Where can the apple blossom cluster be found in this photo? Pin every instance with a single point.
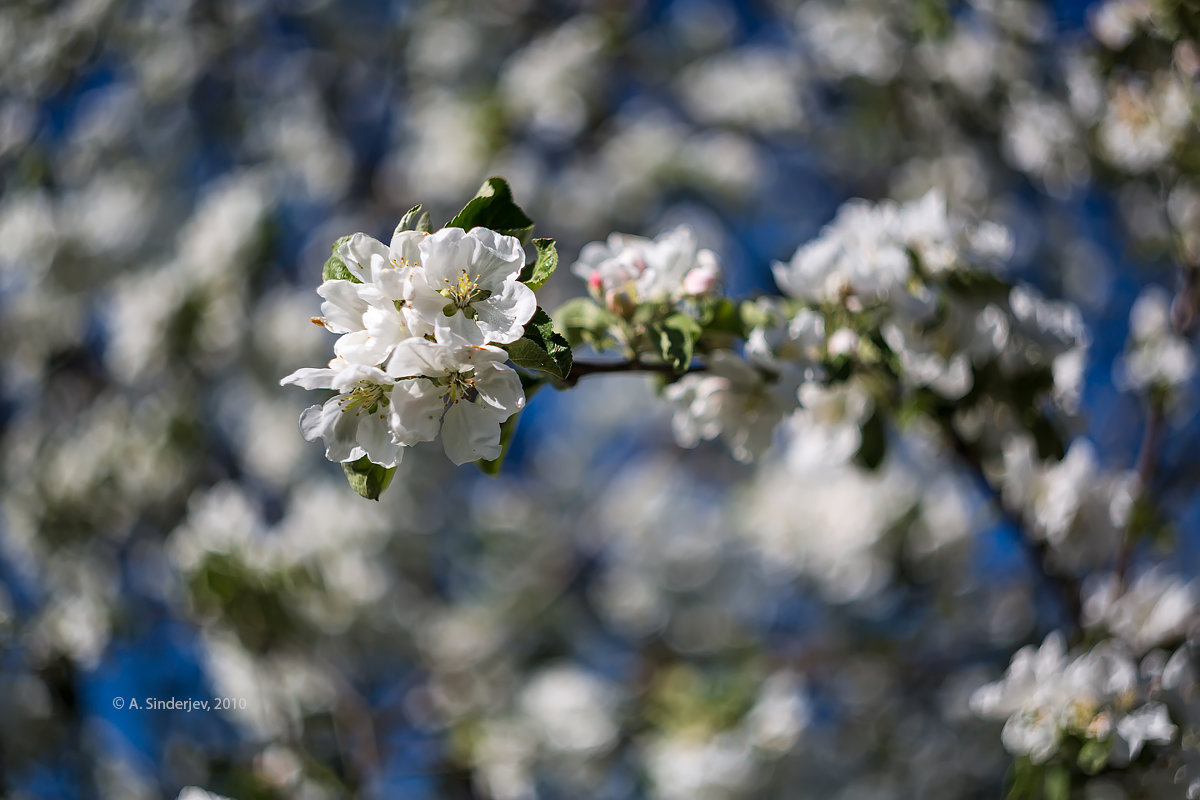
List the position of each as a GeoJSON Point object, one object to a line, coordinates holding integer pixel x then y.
{"type": "Point", "coordinates": [419, 324]}
{"type": "Point", "coordinates": [1096, 711]}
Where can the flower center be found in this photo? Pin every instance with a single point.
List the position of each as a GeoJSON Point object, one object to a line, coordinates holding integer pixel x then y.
{"type": "Point", "coordinates": [460, 386]}
{"type": "Point", "coordinates": [367, 396]}
{"type": "Point", "coordinates": [463, 291]}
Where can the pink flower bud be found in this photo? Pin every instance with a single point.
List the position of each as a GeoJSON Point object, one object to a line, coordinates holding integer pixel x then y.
{"type": "Point", "coordinates": [701, 281]}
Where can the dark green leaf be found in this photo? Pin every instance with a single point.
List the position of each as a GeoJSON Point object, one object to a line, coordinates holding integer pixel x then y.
{"type": "Point", "coordinates": [722, 315]}
{"type": "Point", "coordinates": [415, 219]}
{"type": "Point", "coordinates": [335, 268]}
{"type": "Point", "coordinates": [541, 348]}
{"type": "Point", "coordinates": [366, 478]}
{"type": "Point", "coordinates": [537, 272]}
{"type": "Point", "coordinates": [493, 207]}
{"type": "Point", "coordinates": [873, 446]}
{"type": "Point", "coordinates": [677, 337]}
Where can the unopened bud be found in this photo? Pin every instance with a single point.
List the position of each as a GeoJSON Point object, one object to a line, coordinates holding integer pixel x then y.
{"type": "Point", "coordinates": [701, 281]}
{"type": "Point", "coordinates": [595, 283]}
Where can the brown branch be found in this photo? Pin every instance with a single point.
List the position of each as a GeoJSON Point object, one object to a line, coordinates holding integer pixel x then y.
{"type": "Point", "coordinates": [1144, 469]}
{"type": "Point", "coordinates": [1065, 584]}
{"type": "Point", "coordinates": [580, 369]}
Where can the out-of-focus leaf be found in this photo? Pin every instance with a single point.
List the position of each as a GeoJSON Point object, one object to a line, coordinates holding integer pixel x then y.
{"type": "Point", "coordinates": [677, 337]}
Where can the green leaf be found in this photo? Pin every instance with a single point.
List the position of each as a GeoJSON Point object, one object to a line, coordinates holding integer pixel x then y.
{"type": "Point", "coordinates": [508, 428]}
{"type": "Point", "coordinates": [722, 315]}
{"type": "Point", "coordinates": [1022, 779]}
{"type": "Point", "coordinates": [542, 348]}
{"type": "Point", "coordinates": [873, 445]}
{"type": "Point", "coordinates": [537, 272]}
{"type": "Point", "coordinates": [493, 207]}
{"type": "Point", "coordinates": [584, 320]}
{"type": "Point", "coordinates": [335, 269]}
{"type": "Point", "coordinates": [415, 219]}
{"type": "Point", "coordinates": [1057, 784]}
{"type": "Point", "coordinates": [366, 478]}
{"type": "Point", "coordinates": [1094, 755]}
{"type": "Point", "coordinates": [677, 337]}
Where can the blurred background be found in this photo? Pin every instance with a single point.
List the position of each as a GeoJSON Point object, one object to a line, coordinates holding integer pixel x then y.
{"type": "Point", "coordinates": [612, 617]}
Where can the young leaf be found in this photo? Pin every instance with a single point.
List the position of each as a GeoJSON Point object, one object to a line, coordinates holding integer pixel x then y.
{"type": "Point", "coordinates": [366, 478]}
{"type": "Point", "coordinates": [415, 219]}
{"type": "Point", "coordinates": [583, 320]}
{"type": "Point", "coordinates": [335, 268]}
{"type": "Point", "coordinates": [493, 207]}
{"type": "Point", "coordinates": [542, 348]}
{"type": "Point", "coordinates": [540, 269]}
{"type": "Point", "coordinates": [677, 340]}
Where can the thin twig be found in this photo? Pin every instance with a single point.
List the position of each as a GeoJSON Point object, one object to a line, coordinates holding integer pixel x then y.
{"type": "Point", "coordinates": [1145, 467]}
{"type": "Point", "coordinates": [1065, 585]}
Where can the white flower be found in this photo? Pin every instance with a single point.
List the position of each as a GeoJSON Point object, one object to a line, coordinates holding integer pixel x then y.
{"type": "Point", "coordinates": [467, 284]}
{"type": "Point", "coordinates": [1148, 724]}
{"type": "Point", "coordinates": [1156, 356]}
{"type": "Point", "coordinates": [462, 389]}
{"type": "Point", "coordinates": [1153, 609]}
{"type": "Point", "coordinates": [633, 269]}
{"type": "Point", "coordinates": [571, 709]}
{"type": "Point", "coordinates": [1045, 694]}
{"type": "Point", "coordinates": [731, 399]}
{"type": "Point", "coordinates": [354, 423]}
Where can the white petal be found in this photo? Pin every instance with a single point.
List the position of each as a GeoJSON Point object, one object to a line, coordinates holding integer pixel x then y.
{"type": "Point", "coordinates": [356, 252]}
{"type": "Point", "coordinates": [423, 302]}
{"type": "Point", "coordinates": [502, 317]}
{"type": "Point", "coordinates": [470, 432]}
{"type": "Point", "coordinates": [310, 378]}
{"type": "Point", "coordinates": [500, 388]}
{"type": "Point", "coordinates": [339, 430]}
{"type": "Point", "coordinates": [375, 437]}
{"type": "Point", "coordinates": [499, 259]}
{"type": "Point", "coordinates": [354, 374]}
{"type": "Point", "coordinates": [447, 254]}
{"type": "Point", "coordinates": [416, 357]}
{"type": "Point", "coordinates": [361, 347]}
{"type": "Point", "coordinates": [417, 408]}
{"type": "Point", "coordinates": [405, 248]}
{"type": "Point", "coordinates": [343, 307]}
{"type": "Point", "coordinates": [458, 327]}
